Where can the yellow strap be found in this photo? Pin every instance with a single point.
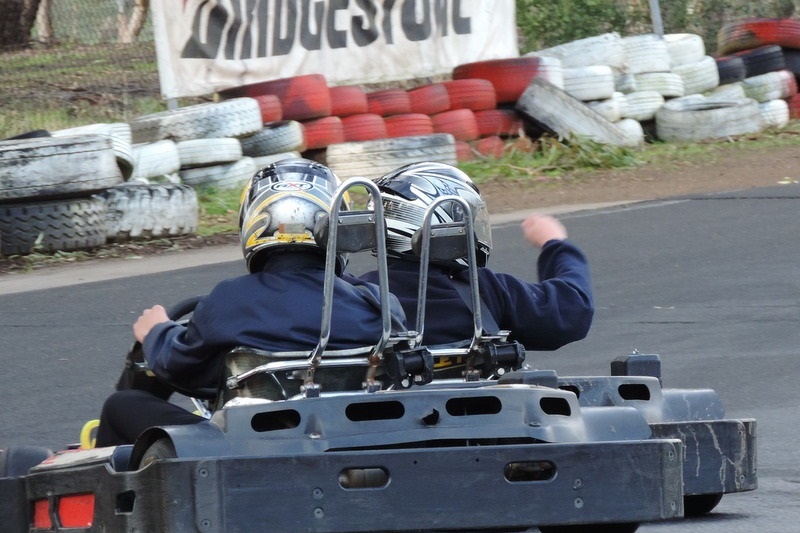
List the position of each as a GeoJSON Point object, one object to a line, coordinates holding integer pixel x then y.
{"type": "Point", "coordinates": [89, 434]}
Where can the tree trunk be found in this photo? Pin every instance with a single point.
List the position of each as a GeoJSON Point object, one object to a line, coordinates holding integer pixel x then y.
{"type": "Point", "coordinates": [16, 22]}
{"type": "Point", "coordinates": [129, 29]}
{"type": "Point", "coordinates": [44, 22]}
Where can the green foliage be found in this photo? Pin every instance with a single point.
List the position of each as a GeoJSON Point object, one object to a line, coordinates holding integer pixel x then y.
{"type": "Point", "coordinates": [549, 157]}
{"type": "Point", "coordinates": [219, 211]}
{"type": "Point", "coordinates": [546, 24]}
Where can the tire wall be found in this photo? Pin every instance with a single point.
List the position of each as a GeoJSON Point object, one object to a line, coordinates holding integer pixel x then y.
{"type": "Point", "coordinates": [599, 83]}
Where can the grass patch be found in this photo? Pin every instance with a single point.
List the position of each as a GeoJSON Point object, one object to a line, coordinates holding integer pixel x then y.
{"type": "Point", "coordinates": [219, 211]}
{"type": "Point", "coordinates": [528, 159]}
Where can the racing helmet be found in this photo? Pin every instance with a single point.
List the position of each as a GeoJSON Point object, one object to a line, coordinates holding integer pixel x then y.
{"type": "Point", "coordinates": [279, 207]}
{"type": "Point", "coordinates": [406, 193]}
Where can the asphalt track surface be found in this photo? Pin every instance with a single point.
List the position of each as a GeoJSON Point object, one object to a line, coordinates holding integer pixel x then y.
{"type": "Point", "coordinates": [709, 282]}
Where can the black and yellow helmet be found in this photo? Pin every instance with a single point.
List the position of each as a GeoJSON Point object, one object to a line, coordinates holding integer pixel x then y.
{"type": "Point", "coordinates": [279, 207]}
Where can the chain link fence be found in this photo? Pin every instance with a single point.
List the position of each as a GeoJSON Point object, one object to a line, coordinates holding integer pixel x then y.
{"type": "Point", "coordinates": [84, 64]}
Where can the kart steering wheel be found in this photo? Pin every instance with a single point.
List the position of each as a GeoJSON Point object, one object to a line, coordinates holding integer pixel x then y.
{"type": "Point", "coordinates": [136, 375]}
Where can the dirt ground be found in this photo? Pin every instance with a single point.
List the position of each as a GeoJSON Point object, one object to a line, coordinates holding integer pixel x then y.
{"type": "Point", "coordinates": [725, 167]}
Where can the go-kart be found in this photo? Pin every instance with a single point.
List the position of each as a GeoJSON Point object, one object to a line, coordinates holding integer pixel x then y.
{"type": "Point", "coordinates": [366, 440]}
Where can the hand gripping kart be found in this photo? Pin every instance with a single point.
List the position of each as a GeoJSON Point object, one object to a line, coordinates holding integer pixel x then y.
{"type": "Point", "coordinates": [365, 441]}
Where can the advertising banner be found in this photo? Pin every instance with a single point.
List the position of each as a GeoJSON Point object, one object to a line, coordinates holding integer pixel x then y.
{"type": "Point", "coordinates": [208, 45]}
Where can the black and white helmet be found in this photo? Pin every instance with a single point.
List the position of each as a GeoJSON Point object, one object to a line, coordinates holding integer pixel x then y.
{"type": "Point", "coordinates": [280, 206]}
{"type": "Point", "coordinates": [408, 191]}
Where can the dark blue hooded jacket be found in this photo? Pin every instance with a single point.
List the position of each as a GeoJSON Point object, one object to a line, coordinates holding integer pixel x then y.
{"type": "Point", "coordinates": [541, 316]}
{"type": "Point", "coordinates": [277, 309]}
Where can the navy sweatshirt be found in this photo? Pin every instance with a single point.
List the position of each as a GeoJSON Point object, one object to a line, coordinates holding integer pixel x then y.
{"type": "Point", "coordinates": [541, 316]}
{"type": "Point", "coordinates": [278, 309]}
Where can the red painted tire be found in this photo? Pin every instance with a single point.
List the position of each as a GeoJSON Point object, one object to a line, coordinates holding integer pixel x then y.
{"type": "Point", "coordinates": [794, 106]}
{"type": "Point", "coordinates": [321, 132]}
{"type": "Point", "coordinates": [429, 99]}
{"type": "Point", "coordinates": [460, 123]}
{"type": "Point", "coordinates": [302, 97]}
{"type": "Point", "coordinates": [464, 151]}
{"type": "Point", "coordinates": [492, 146]}
{"type": "Point", "coordinates": [510, 77]}
{"type": "Point", "coordinates": [348, 100]}
{"type": "Point", "coordinates": [502, 122]}
{"type": "Point", "coordinates": [471, 93]}
{"type": "Point", "coordinates": [408, 124]}
{"type": "Point", "coordinates": [364, 127]}
{"type": "Point", "coordinates": [754, 32]}
{"type": "Point", "coordinates": [388, 102]}
{"type": "Point", "coordinates": [270, 106]}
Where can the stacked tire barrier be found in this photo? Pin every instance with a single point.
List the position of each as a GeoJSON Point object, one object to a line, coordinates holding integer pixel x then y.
{"type": "Point", "coordinates": [666, 88]}
{"type": "Point", "coordinates": [82, 187]}
{"type": "Point", "coordinates": [769, 52]}
{"type": "Point", "coordinates": [48, 192]}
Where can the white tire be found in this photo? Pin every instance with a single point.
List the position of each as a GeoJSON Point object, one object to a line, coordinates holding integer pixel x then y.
{"type": "Point", "coordinates": [646, 53]}
{"type": "Point", "coordinates": [770, 86]}
{"type": "Point", "coordinates": [120, 130]}
{"type": "Point", "coordinates": [684, 48]}
{"type": "Point", "coordinates": [774, 114]}
{"type": "Point", "coordinates": [155, 159]}
{"type": "Point", "coordinates": [230, 118]}
{"type": "Point", "coordinates": [274, 138]}
{"type": "Point", "coordinates": [608, 108]}
{"type": "Point", "coordinates": [624, 82]}
{"type": "Point", "coordinates": [667, 84]}
{"type": "Point", "coordinates": [622, 102]}
{"type": "Point", "coordinates": [551, 69]}
{"type": "Point", "coordinates": [225, 176]}
{"type": "Point", "coordinates": [729, 91]}
{"type": "Point", "coordinates": [603, 49]}
{"type": "Point", "coordinates": [632, 128]}
{"type": "Point", "coordinates": [205, 152]}
{"type": "Point", "coordinates": [264, 160]}
{"type": "Point", "coordinates": [371, 159]}
{"type": "Point", "coordinates": [150, 211]}
{"type": "Point", "coordinates": [699, 77]}
{"type": "Point", "coordinates": [120, 135]}
{"type": "Point", "coordinates": [53, 167]}
{"type": "Point", "coordinates": [594, 82]}
{"type": "Point", "coordinates": [642, 105]}
{"type": "Point", "coordinates": [550, 108]}
{"type": "Point", "coordinates": [696, 118]}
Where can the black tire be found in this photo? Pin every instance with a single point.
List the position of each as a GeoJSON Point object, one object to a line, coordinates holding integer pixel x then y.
{"type": "Point", "coordinates": [625, 527]}
{"type": "Point", "coordinates": [159, 450]}
{"type": "Point", "coordinates": [33, 134]}
{"type": "Point", "coordinates": [61, 225]}
{"type": "Point", "coordinates": [731, 69]}
{"type": "Point", "coordinates": [700, 504]}
{"type": "Point", "coordinates": [762, 60]}
{"type": "Point", "coordinates": [18, 460]}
